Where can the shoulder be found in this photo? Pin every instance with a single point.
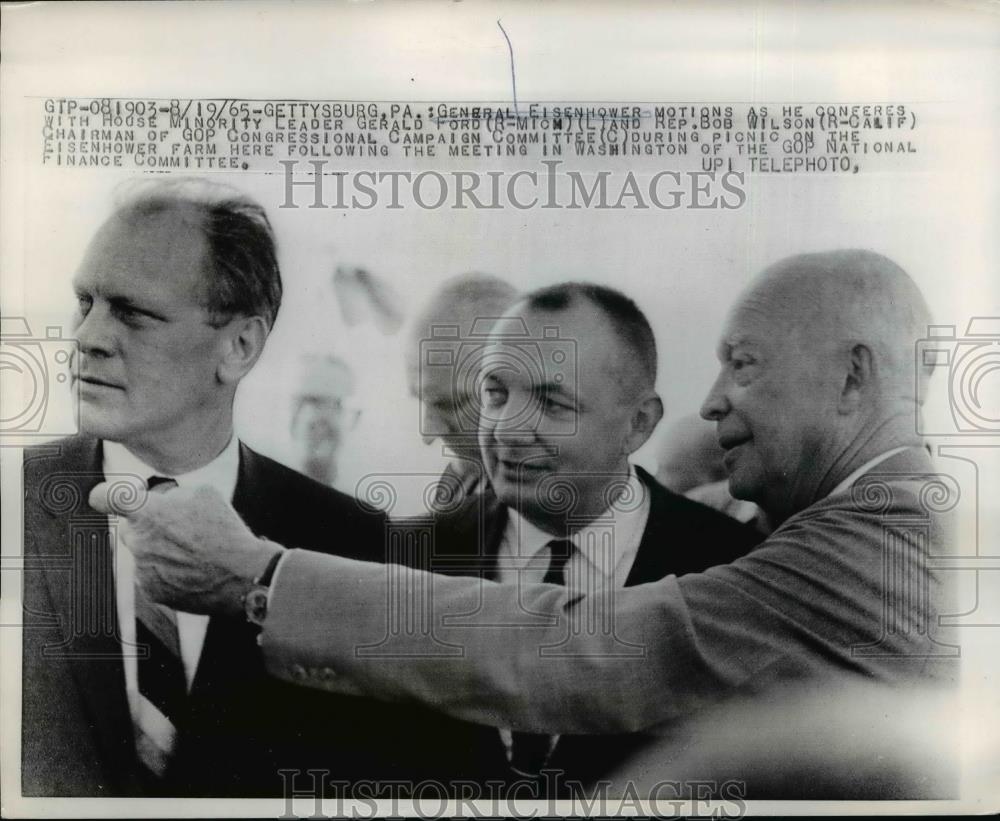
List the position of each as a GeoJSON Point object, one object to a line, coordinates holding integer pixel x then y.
{"type": "Point", "coordinates": [281, 503]}
{"type": "Point", "coordinates": [281, 481]}
{"type": "Point", "coordinates": [477, 511]}
{"type": "Point", "coordinates": [72, 452]}
{"type": "Point", "coordinates": [881, 522]}
{"type": "Point", "coordinates": [908, 504]}
{"type": "Point", "coordinates": [58, 475]}
{"type": "Point", "coordinates": [467, 537]}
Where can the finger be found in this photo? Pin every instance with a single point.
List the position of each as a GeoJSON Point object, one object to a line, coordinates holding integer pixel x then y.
{"type": "Point", "coordinates": [98, 498]}
{"type": "Point", "coordinates": [122, 497]}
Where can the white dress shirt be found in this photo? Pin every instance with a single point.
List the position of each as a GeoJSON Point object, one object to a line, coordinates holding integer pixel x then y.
{"type": "Point", "coordinates": [867, 466]}
{"type": "Point", "coordinates": [221, 474]}
{"type": "Point", "coordinates": [605, 548]}
{"type": "Point", "coordinates": [605, 552]}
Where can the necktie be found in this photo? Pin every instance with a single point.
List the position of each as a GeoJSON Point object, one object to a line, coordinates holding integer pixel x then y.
{"type": "Point", "coordinates": [161, 678]}
{"type": "Point", "coordinates": [530, 751]}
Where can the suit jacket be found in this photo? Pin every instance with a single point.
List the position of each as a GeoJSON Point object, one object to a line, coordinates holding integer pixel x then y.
{"type": "Point", "coordinates": [841, 588]}
{"type": "Point", "coordinates": [243, 725]}
{"type": "Point", "coordinates": [680, 537]}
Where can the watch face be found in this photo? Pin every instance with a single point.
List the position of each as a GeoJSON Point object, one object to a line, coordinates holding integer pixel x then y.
{"type": "Point", "coordinates": [256, 605]}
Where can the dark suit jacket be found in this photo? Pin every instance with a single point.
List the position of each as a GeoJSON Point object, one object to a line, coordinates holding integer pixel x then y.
{"type": "Point", "coordinates": [243, 725]}
{"type": "Point", "coordinates": [681, 536]}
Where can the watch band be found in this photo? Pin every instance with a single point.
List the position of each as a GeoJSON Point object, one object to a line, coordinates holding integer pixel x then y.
{"type": "Point", "coordinates": [267, 576]}
{"type": "Point", "coordinates": [255, 599]}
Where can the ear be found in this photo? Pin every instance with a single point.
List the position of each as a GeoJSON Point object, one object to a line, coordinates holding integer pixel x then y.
{"type": "Point", "coordinates": [243, 344]}
{"type": "Point", "coordinates": [645, 417]}
{"type": "Point", "coordinates": [858, 380]}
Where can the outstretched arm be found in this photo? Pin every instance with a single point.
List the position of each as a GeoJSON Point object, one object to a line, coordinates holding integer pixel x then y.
{"type": "Point", "coordinates": [810, 602]}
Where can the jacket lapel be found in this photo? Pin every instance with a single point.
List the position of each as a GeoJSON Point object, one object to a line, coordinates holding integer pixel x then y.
{"type": "Point", "coordinates": [654, 554]}
{"type": "Point", "coordinates": [82, 592]}
{"type": "Point", "coordinates": [481, 532]}
{"type": "Point", "coordinates": [495, 523]}
{"type": "Point", "coordinates": [230, 651]}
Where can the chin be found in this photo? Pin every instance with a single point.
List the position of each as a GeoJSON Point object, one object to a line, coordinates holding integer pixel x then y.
{"type": "Point", "coordinates": [519, 495]}
{"type": "Point", "coordinates": [99, 423]}
{"type": "Point", "coordinates": [506, 491]}
{"type": "Point", "coordinates": [742, 487]}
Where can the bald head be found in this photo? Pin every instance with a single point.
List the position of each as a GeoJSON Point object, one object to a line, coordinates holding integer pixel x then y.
{"type": "Point", "coordinates": [459, 302]}
{"type": "Point", "coordinates": [837, 299]}
{"type": "Point", "coordinates": [462, 310]}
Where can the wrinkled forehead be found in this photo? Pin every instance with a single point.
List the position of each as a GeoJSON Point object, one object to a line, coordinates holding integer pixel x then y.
{"type": "Point", "coordinates": [775, 313]}
{"type": "Point", "coordinates": [164, 248]}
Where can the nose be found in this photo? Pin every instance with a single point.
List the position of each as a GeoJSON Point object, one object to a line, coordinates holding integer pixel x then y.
{"type": "Point", "coordinates": [510, 425]}
{"type": "Point", "coordinates": [94, 333]}
{"type": "Point", "coordinates": [716, 404]}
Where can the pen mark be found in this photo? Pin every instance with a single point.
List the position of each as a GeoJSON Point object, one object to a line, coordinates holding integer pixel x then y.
{"type": "Point", "coordinates": [513, 76]}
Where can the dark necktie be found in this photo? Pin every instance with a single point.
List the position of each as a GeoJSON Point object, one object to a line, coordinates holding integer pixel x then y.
{"type": "Point", "coordinates": [530, 751]}
{"type": "Point", "coordinates": [160, 673]}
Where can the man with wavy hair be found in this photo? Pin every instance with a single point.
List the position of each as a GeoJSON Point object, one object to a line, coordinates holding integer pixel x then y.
{"type": "Point", "coordinates": [176, 296]}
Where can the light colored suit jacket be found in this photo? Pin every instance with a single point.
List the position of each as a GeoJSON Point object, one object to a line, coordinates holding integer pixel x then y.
{"type": "Point", "coordinates": [846, 586]}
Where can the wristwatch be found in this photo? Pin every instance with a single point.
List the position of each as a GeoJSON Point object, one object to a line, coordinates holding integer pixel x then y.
{"type": "Point", "coordinates": [255, 599]}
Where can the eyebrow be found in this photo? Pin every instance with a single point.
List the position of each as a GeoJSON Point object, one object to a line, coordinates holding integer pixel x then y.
{"type": "Point", "coordinates": [558, 388]}
{"type": "Point", "coordinates": [119, 302]}
{"type": "Point", "coordinates": [542, 388]}
{"type": "Point", "coordinates": [727, 346]}
{"type": "Point", "coordinates": [128, 303]}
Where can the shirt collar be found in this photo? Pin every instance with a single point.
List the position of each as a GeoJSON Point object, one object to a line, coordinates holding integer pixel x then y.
{"type": "Point", "coordinates": [628, 517]}
{"type": "Point", "coordinates": [221, 473]}
{"type": "Point", "coordinates": [867, 466]}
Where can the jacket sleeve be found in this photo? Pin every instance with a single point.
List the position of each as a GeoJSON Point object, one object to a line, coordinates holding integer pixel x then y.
{"type": "Point", "coordinates": [805, 603]}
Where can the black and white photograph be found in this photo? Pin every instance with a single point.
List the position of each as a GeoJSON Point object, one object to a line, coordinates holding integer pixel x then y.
{"type": "Point", "coordinates": [453, 409]}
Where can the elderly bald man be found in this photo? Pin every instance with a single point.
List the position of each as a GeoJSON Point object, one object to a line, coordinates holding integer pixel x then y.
{"type": "Point", "coordinates": [442, 346]}
{"type": "Point", "coordinates": [814, 406]}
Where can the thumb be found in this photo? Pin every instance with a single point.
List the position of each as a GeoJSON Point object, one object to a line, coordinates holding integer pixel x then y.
{"type": "Point", "coordinates": [123, 497]}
